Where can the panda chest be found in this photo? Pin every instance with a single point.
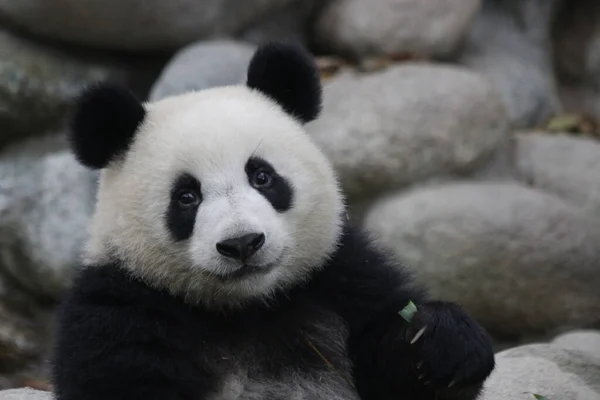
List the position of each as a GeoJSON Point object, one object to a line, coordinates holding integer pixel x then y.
{"type": "Point", "coordinates": [296, 356]}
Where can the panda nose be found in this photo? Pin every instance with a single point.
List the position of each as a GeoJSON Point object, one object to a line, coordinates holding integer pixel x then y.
{"type": "Point", "coordinates": [243, 247]}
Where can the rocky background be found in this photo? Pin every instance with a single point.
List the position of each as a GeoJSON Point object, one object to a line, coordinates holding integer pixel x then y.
{"type": "Point", "coordinates": [464, 132]}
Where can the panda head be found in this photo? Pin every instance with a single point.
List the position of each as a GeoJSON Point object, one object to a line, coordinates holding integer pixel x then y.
{"type": "Point", "coordinates": [217, 195]}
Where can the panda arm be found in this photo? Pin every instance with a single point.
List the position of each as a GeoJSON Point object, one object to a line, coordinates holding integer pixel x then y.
{"type": "Point", "coordinates": [119, 340]}
{"type": "Point", "coordinates": [393, 357]}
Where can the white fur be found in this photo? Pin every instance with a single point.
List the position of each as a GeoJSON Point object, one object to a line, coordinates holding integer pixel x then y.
{"type": "Point", "coordinates": [211, 134]}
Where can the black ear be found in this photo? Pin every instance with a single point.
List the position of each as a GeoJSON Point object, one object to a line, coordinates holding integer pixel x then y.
{"type": "Point", "coordinates": [103, 124]}
{"type": "Point", "coordinates": [288, 74]}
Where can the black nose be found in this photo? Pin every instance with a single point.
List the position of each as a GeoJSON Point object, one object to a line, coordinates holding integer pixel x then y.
{"type": "Point", "coordinates": [241, 248]}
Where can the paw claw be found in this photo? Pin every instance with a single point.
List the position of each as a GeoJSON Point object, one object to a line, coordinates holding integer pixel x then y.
{"type": "Point", "coordinates": [419, 364]}
{"type": "Point", "coordinates": [418, 334]}
{"type": "Point", "coordinates": [452, 383]}
{"type": "Point", "coordinates": [421, 376]}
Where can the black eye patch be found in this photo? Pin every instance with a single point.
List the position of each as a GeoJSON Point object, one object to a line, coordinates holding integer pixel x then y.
{"type": "Point", "coordinates": [275, 188]}
{"type": "Point", "coordinates": [185, 198]}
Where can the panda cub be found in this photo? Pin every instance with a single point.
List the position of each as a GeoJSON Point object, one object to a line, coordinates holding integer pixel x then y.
{"type": "Point", "coordinates": [220, 264]}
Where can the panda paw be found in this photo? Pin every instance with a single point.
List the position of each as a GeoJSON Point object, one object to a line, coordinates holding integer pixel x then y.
{"type": "Point", "coordinates": [453, 354]}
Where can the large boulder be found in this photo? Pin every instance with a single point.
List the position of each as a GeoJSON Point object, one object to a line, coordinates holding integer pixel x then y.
{"type": "Point", "coordinates": [564, 165]}
{"type": "Point", "coordinates": [25, 394]}
{"type": "Point", "coordinates": [577, 55]}
{"type": "Point", "coordinates": [411, 122]}
{"type": "Point", "coordinates": [288, 23]}
{"type": "Point", "coordinates": [566, 368]}
{"type": "Point", "coordinates": [365, 27]}
{"type": "Point", "coordinates": [203, 65]}
{"type": "Point", "coordinates": [46, 200]}
{"type": "Point", "coordinates": [136, 24]}
{"type": "Point", "coordinates": [510, 42]}
{"type": "Point", "coordinates": [37, 83]}
{"type": "Point", "coordinates": [522, 262]}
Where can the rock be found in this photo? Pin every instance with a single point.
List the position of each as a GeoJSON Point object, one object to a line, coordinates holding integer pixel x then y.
{"type": "Point", "coordinates": [362, 28]}
{"type": "Point", "coordinates": [285, 24]}
{"type": "Point", "coordinates": [546, 369]}
{"type": "Point", "coordinates": [577, 55]}
{"type": "Point", "coordinates": [510, 43]}
{"type": "Point", "coordinates": [136, 24]}
{"type": "Point", "coordinates": [576, 34]}
{"type": "Point", "coordinates": [24, 334]}
{"type": "Point", "coordinates": [587, 342]}
{"type": "Point", "coordinates": [408, 123]}
{"type": "Point", "coordinates": [46, 199]}
{"type": "Point", "coordinates": [37, 84]}
{"type": "Point", "coordinates": [564, 165]}
{"type": "Point", "coordinates": [25, 394]}
{"type": "Point", "coordinates": [203, 65]}
{"type": "Point", "coordinates": [522, 262]}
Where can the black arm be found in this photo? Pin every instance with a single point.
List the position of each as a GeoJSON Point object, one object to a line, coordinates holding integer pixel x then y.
{"type": "Point", "coordinates": [440, 347]}
{"type": "Point", "coordinates": [117, 339]}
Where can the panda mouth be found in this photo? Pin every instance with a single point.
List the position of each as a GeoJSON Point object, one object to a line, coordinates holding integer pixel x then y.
{"type": "Point", "coordinates": [246, 271]}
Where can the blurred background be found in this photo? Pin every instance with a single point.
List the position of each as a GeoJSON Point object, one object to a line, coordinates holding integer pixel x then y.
{"type": "Point", "coordinates": [465, 133]}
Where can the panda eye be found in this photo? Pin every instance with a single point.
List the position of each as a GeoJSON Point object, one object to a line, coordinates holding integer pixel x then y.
{"type": "Point", "coordinates": [261, 179]}
{"type": "Point", "coordinates": [188, 199]}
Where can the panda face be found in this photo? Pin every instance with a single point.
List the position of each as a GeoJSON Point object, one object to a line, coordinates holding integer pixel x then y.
{"type": "Point", "coordinates": [222, 196]}
{"type": "Point", "coordinates": [218, 196]}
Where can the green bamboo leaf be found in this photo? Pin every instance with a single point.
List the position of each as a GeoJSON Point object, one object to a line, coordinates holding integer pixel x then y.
{"type": "Point", "coordinates": [409, 311]}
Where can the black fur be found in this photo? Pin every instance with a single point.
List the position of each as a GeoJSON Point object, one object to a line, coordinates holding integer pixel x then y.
{"type": "Point", "coordinates": [119, 339]}
{"type": "Point", "coordinates": [280, 193]}
{"type": "Point", "coordinates": [180, 221]}
{"type": "Point", "coordinates": [103, 124]}
{"type": "Point", "coordinates": [287, 74]}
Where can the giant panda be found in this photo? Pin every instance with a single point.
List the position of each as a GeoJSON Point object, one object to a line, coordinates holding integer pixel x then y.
{"type": "Point", "coordinates": [220, 263]}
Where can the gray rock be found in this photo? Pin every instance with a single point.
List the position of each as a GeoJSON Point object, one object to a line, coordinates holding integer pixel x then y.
{"type": "Point", "coordinates": [509, 42]}
{"type": "Point", "coordinates": [203, 65]}
{"type": "Point", "coordinates": [577, 55]}
{"type": "Point", "coordinates": [284, 24]}
{"type": "Point", "coordinates": [586, 341]}
{"type": "Point", "coordinates": [24, 333]}
{"type": "Point", "coordinates": [366, 28]}
{"type": "Point", "coordinates": [25, 394]}
{"type": "Point", "coordinates": [412, 122]}
{"type": "Point", "coordinates": [564, 165]}
{"type": "Point", "coordinates": [136, 24]}
{"type": "Point", "coordinates": [522, 262]}
{"type": "Point", "coordinates": [46, 199]}
{"type": "Point", "coordinates": [37, 84]}
{"type": "Point", "coordinates": [576, 37]}
{"type": "Point", "coordinates": [547, 369]}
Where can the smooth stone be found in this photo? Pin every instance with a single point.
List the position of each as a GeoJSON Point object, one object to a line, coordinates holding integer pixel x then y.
{"type": "Point", "coordinates": [362, 28]}
{"type": "Point", "coordinates": [25, 394]}
{"type": "Point", "coordinates": [38, 83]}
{"type": "Point", "coordinates": [561, 164]}
{"type": "Point", "coordinates": [546, 369]}
{"type": "Point", "coordinates": [136, 25]}
{"type": "Point", "coordinates": [576, 48]}
{"type": "Point", "coordinates": [46, 200]}
{"type": "Point", "coordinates": [289, 24]}
{"type": "Point", "coordinates": [412, 122]}
{"type": "Point", "coordinates": [510, 43]}
{"type": "Point", "coordinates": [203, 65]}
{"type": "Point", "coordinates": [522, 262]}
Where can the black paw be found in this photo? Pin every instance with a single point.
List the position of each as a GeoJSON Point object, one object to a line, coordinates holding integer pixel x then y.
{"type": "Point", "coordinates": [453, 354]}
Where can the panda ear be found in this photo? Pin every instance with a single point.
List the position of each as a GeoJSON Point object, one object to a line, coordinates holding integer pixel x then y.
{"type": "Point", "coordinates": [103, 124]}
{"type": "Point", "coordinates": [289, 75]}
